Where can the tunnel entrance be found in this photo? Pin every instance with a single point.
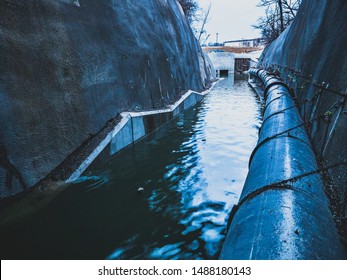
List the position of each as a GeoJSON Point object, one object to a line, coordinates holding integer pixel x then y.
{"type": "Point", "coordinates": [224, 73]}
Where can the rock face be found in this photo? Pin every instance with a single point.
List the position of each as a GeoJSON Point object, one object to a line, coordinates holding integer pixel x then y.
{"type": "Point", "coordinates": [315, 46]}
{"type": "Point", "coordinates": [67, 67]}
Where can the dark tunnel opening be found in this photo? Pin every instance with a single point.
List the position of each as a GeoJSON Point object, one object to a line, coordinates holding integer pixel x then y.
{"type": "Point", "coordinates": [224, 73]}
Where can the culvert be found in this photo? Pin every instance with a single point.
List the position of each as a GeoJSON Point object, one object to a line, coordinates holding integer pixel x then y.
{"type": "Point", "coordinates": [223, 73]}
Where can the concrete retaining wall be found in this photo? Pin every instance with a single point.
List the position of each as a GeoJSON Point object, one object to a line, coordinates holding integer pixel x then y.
{"type": "Point", "coordinates": [135, 125]}
{"type": "Point", "coordinates": [223, 61]}
{"type": "Point", "coordinates": [68, 70]}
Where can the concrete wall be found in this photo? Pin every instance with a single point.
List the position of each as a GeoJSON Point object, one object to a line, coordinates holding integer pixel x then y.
{"type": "Point", "coordinates": [315, 46]}
{"type": "Point", "coordinates": [223, 61]}
{"type": "Point", "coordinates": [134, 126]}
{"type": "Point", "coordinates": [68, 67]}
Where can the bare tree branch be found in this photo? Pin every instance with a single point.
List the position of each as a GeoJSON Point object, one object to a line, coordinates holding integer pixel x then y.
{"type": "Point", "coordinates": [278, 15]}
{"type": "Point", "coordinates": [202, 29]}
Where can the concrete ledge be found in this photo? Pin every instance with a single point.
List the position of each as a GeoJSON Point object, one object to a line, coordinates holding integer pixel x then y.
{"type": "Point", "coordinates": [136, 125]}
{"type": "Point", "coordinates": [257, 89]}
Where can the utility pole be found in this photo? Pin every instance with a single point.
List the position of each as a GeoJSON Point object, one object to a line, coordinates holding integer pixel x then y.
{"type": "Point", "coordinates": [216, 38]}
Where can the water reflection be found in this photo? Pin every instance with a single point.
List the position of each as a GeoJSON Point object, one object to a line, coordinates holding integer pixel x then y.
{"type": "Point", "coordinates": [192, 172]}
{"type": "Point", "coordinates": [205, 178]}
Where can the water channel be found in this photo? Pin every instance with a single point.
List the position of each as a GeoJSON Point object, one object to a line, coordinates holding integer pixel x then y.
{"type": "Point", "coordinates": [192, 171]}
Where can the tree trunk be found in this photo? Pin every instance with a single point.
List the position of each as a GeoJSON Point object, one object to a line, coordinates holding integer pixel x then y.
{"type": "Point", "coordinates": [281, 15]}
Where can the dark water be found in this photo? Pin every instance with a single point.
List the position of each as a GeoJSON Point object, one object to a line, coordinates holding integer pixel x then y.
{"type": "Point", "coordinates": [192, 171]}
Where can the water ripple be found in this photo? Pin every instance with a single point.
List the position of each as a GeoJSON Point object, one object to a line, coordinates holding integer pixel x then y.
{"type": "Point", "coordinates": [191, 173]}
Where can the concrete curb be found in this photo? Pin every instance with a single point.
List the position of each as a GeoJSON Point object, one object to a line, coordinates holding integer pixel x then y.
{"type": "Point", "coordinates": [257, 89]}
{"type": "Point", "coordinates": [136, 125]}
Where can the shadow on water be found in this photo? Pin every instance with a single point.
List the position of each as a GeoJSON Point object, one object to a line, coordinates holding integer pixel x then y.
{"type": "Point", "coordinates": [192, 171]}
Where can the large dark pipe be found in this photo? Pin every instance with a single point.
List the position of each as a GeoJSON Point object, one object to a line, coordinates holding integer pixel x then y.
{"type": "Point", "coordinates": [287, 220]}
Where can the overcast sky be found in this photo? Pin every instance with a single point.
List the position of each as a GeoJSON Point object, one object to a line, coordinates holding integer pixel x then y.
{"type": "Point", "coordinates": [232, 19]}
